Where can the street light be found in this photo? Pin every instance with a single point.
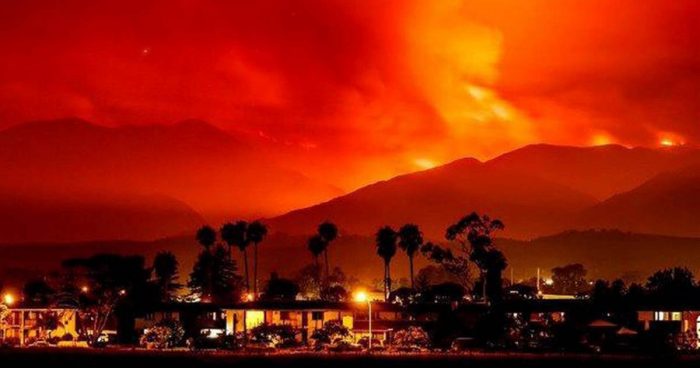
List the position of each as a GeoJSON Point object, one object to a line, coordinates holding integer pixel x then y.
{"type": "Point", "coordinates": [8, 299]}
{"type": "Point", "coordinates": [361, 297]}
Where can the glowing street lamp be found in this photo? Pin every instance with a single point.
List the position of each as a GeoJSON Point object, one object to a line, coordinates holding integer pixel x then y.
{"type": "Point", "coordinates": [8, 299]}
{"type": "Point", "coordinates": [362, 297]}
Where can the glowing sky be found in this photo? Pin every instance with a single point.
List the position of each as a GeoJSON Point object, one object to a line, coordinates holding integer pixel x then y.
{"type": "Point", "coordinates": [361, 90]}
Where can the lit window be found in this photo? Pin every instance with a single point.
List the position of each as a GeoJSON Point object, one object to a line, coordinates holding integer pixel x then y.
{"type": "Point", "coordinates": [676, 316]}
{"type": "Point", "coordinates": [254, 318]}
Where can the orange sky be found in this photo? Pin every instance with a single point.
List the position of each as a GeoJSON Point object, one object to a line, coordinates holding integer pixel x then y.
{"type": "Point", "coordinates": [355, 91]}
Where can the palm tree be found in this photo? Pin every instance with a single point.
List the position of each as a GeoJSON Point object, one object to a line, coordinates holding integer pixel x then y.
{"type": "Point", "coordinates": [385, 240]}
{"type": "Point", "coordinates": [316, 245]}
{"type": "Point", "coordinates": [410, 240]}
{"type": "Point", "coordinates": [328, 233]}
{"type": "Point", "coordinates": [255, 233]}
{"type": "Point", "coordinates": [228, 235]}
{"type": "Point", "coordinates": [240, 239]}
{"type": "Point", "coordinates": [206, 236]}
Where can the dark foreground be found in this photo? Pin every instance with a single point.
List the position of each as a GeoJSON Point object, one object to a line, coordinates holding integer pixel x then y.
{"type": "Point", "coordinates": [134, 359]}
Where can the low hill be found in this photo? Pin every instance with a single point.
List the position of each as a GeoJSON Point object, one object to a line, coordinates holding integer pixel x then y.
{"type": "Point", "coordinates": [84, 218]}
{"type": "Point", "coordinates": [667, 204]}
{"type": "Point", "coordinates": [605, 253]}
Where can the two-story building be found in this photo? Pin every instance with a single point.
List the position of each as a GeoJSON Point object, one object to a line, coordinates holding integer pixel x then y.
{"type": "Point", "coordinates": [25, 325]}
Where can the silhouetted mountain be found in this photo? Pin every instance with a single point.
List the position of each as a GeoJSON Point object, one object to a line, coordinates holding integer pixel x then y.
{"type": "Point", "coordinates": [600, 171]}
{"type": "Point", "coordinates": [528, 204]}
{"type": "Point", "coordinates": [212, 171]}
{"type": "Point", "coordinates": [536, 190]}
{"type": "Point", "coordinates": [667, 204]}
{"type": "Point", "coordinates": [95, 217]}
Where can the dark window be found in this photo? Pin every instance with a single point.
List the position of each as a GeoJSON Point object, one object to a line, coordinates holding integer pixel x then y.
{"type": "Point", "coordinates": [317, 316]}
{"type": "Point", "coordinates": [285, 315]}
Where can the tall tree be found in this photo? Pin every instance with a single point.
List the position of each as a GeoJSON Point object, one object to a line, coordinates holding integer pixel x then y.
{"type": "Point", "coordinates": [236, 234]}
{"type": "Point", "coordinates": [328, 232]}
{"type": "Point", "coordinates": [474, 234]}
{"type": "Point", "coordinates": [206, 236]}
{"type": "Point", "coordinates": [255, 233]}
{"type": "Point", "coordinates": [118, 285]}
{"type": "Point", "coordinates": [214, 277]}
{"type": "Point", "coordinates": [165, 269]}
{"type": "Point", "coordinates": [228, 235]}
{"type": "Point", "coordinates": [385, 240]}
{"type": "Point", "coordinates": [410, 241]}
{"type": "Point", "coordinates": [315, 245]}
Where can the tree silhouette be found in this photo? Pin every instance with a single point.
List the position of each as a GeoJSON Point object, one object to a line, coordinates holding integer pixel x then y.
{"type": "Point", "coordinates": [474, 234]}
{"type": "Point", "coordinates": [328, 232]}
{"type": "Point", "coordinates": [280, 289]}
{"type": "Point", "coordinates": [455, 265]}
{"type": "Point", "coordinates": [255, 234]}
{"type": "Point", "coordinates": [675, 284]}
{"type": "Point", "coordinates": [315, 245]}
{"type": "Point", "coordinates": [570, 278]}
{"type": "Point", "coordinates": [385, 240]}
{"type": "Point", "coordinates": [38, 293]}
{"type": "Point", "coordinates": [118, 285]}
{"type": "Point", "coordinates": [214, 277]}
{"type": "Point", "coordinates": [410, 241]}
{"type": "Point", "coordinates": [165, 269]}
{"type": "Point", "coordinates": [206, 236]}
{"type": "Point", "coordinates": [236, 234]}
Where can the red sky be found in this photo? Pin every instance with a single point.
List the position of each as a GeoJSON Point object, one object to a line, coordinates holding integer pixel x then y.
{"type": "Point", "coordinates": [361, 90]}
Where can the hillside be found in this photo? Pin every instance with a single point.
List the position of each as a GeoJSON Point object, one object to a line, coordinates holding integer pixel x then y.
{"type": "Point", "coordinates": [210, 171]}
{"type": "Point", "coordinates": [600, 171]}
{"type": "Point", "coordinates": [605, 253]}
{"type": "Point", "coordinates": [667, 204]}
{"type": "Point", "coordinates": [528, 204]}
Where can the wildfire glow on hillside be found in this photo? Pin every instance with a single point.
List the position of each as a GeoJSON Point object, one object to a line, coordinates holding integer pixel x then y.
{"type": "Point", "coordinates": [403, 85]}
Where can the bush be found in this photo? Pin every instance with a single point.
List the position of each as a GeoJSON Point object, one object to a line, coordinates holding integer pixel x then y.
{"type": "Point", "coordinates": [411, 338]}
{"type": "Point", "coordinates": [165, 334]}
{"type": "Point", "coordinates": [231, 342]}
{"type": "Point", "coordinates": [10, 342]}
{"type": "Point", "coordinates": [274, 335]}
{"type": "Point", "coordinates": [333, 332]}
{"type": "Point", "coordinates": [67, 337]}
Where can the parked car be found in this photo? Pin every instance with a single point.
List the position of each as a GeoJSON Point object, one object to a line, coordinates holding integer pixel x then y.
{"type": "Point", "coordinates": [462, 344]}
